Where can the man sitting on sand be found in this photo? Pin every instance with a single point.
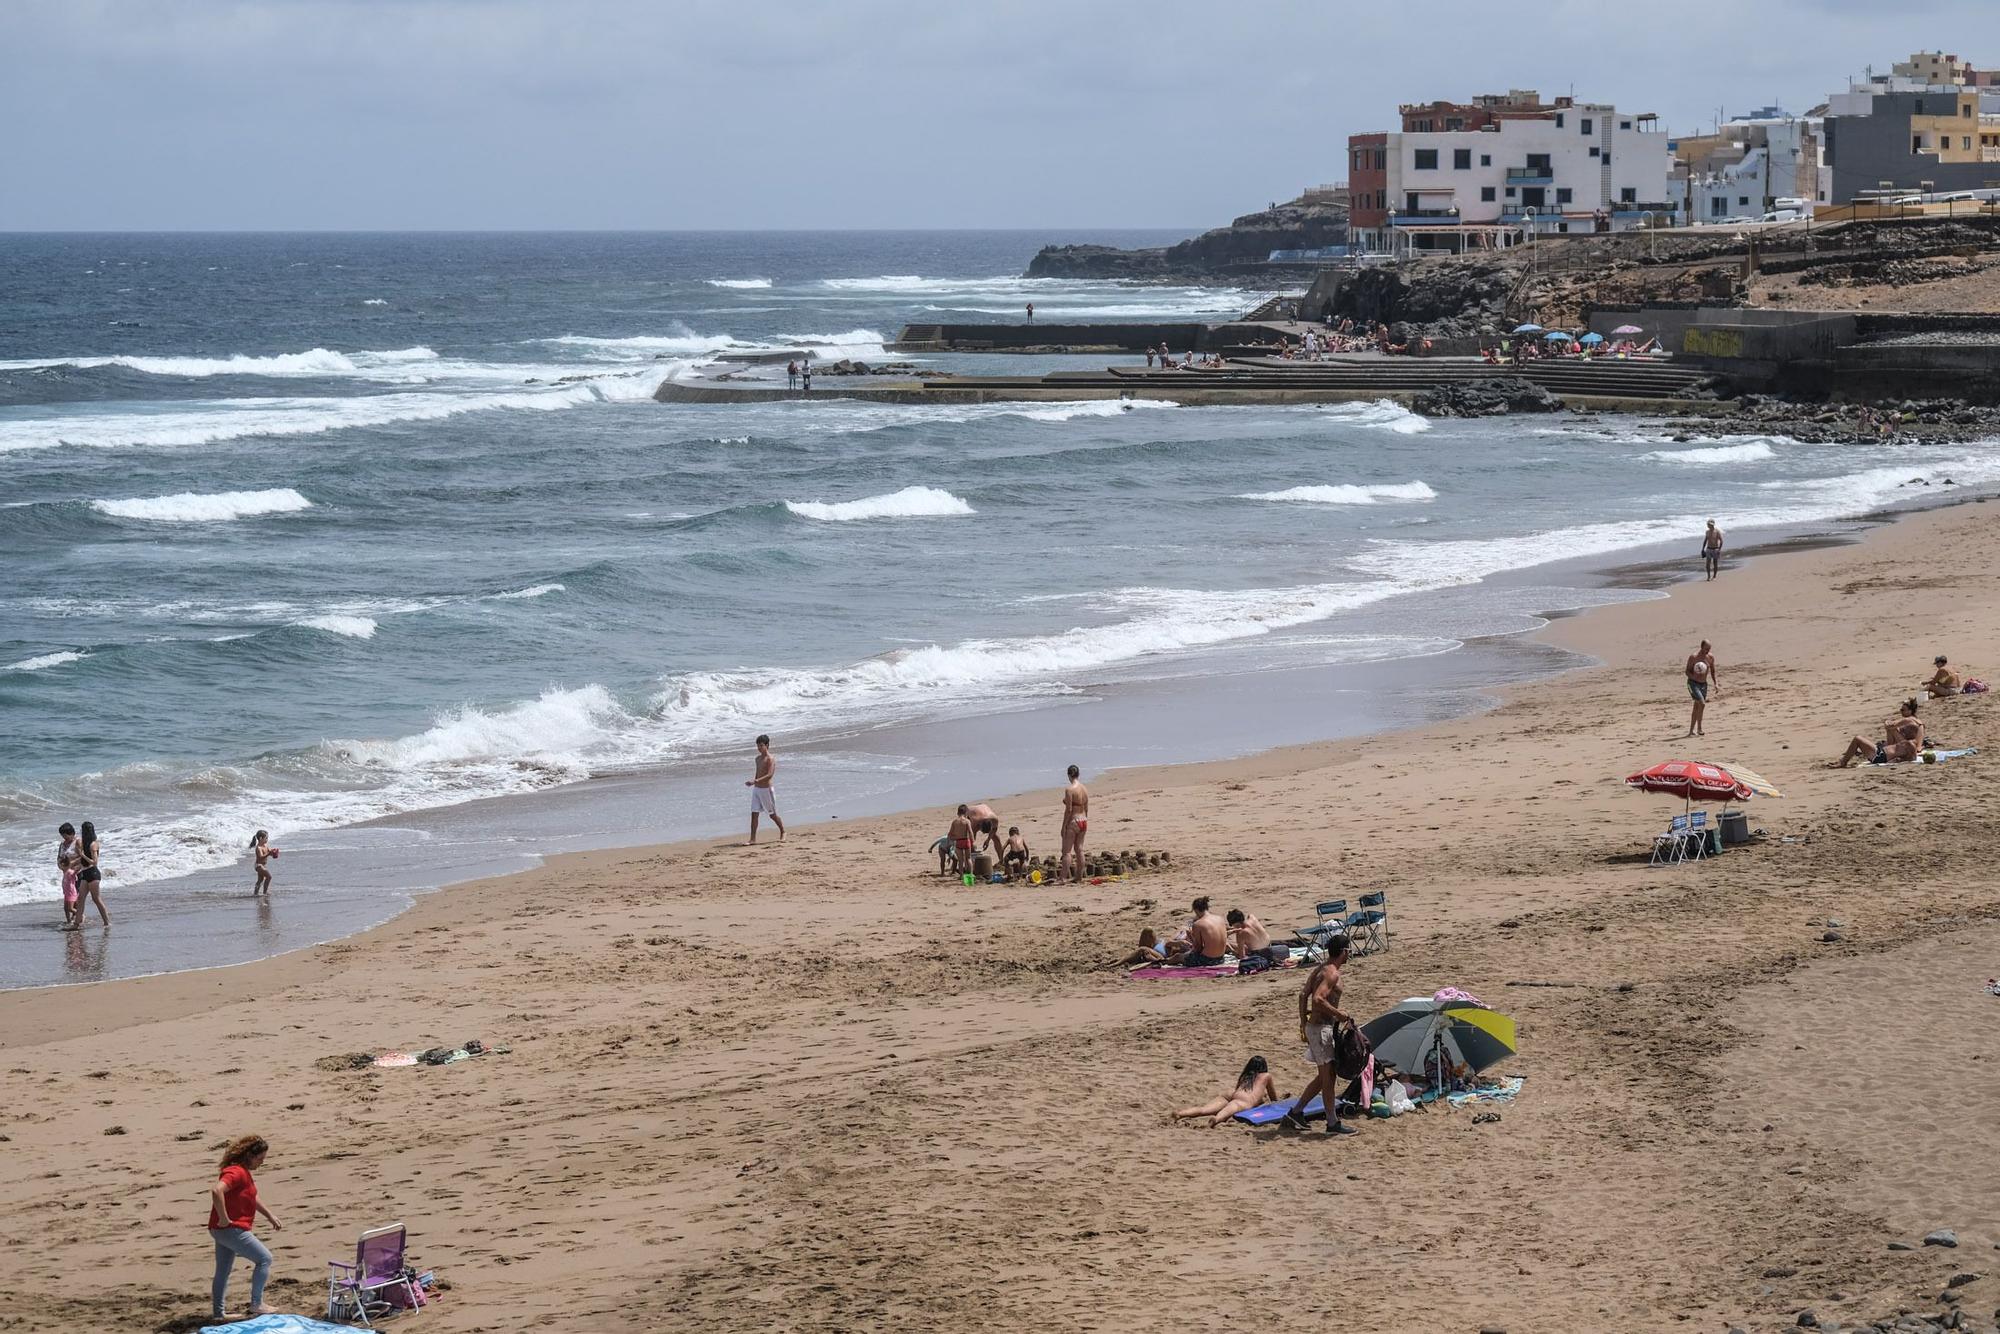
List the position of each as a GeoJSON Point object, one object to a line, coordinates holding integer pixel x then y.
{"type": "Point", "coordinates": [1248, 940]}
{"type": "Point", "coordinates": [1903, 740]}
{"type": "Point", "coordinates": [1944, 681]}
{"type": "Point", "coordinates": [961, 842]}
{"type": "Point", "coordinates": [1014, 856]}
{"type": "Point", "coordinates": [1207, 938]}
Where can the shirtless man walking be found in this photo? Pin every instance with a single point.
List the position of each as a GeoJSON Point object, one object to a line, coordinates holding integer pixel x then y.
{"type": "Point", "coordinates": [763, 798]}
{"type": "Point", "coordinates": [1701, 679]}
{"type": "Point", "coordinates": [1320, 1019]}
{"type": "Point", "coordinates": [1711, 550]}
{"type": "Point", "coordinates": [1076, 810]}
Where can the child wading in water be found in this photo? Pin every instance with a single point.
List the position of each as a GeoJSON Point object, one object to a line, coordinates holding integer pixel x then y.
{"type": "Point", "coordinates": [261, 849]}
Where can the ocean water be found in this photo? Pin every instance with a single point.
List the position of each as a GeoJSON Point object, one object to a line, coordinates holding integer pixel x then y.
{"type": "Point", "coordinates": [304, 531]}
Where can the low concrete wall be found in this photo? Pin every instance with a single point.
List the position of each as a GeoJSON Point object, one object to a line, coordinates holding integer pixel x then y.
{"type": "Point", "coordinates": [1038, 335]}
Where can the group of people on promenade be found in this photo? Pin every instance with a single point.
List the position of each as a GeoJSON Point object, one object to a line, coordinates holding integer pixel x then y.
{"type": "Point", "coordinates": [799, 374]}
{"type": "Point", "coordinates": [1208, 361]}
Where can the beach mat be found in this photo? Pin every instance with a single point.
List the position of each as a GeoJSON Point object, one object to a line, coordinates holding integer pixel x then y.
{"type": "Point", "coordinates": [1272, 1111]}
{"type": "Point", "coordinates": [277, 1324]}
{"type": "Point", "coordinates": [1216, 970]}
{"type": "Point", "coordinates": [1942, 756]}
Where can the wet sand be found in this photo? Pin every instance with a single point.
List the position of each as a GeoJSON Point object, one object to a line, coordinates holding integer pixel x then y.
{"type": "Point", "coordinates": [809, 1085]}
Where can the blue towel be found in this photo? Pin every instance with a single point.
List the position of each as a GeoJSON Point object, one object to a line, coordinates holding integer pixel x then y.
{"type": "Point", "coordinates": [278, 1324]}
{"type": "Point", "coordinates": [1271, 1111]}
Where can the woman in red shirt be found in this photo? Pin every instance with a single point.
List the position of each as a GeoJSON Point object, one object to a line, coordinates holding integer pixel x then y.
{"type": "Point", "coordinates": [232, 1214]}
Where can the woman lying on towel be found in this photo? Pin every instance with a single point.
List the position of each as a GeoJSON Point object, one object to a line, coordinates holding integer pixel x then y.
{"type": "Point", "coordinates": [1904, 740]}
{"type": "Point", "coordinates": [1150, 954]}
{"type": "Point", "coordinates": [1254, 1088]}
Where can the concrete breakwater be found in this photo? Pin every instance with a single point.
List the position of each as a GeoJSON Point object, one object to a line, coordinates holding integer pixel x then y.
{"type": "Point", "coordinates": [1035, 336]}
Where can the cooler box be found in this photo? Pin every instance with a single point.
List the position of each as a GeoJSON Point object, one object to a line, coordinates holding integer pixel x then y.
{"type": "Point", "coordinates": [1735, 827]}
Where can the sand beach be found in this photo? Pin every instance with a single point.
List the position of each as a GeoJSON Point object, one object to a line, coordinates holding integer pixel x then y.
{"type": "Point", "coordinates": [810, 1085]}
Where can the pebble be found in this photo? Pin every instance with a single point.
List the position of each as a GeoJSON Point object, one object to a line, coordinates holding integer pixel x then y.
{"type": "Point", "coordinates": [1832, 937]}
{"type": "Point", "coordinates": [1960, 1280]}
{"type": "Point", "coordinates": [1780, 1271]}
{"type": "Point", "coordinates": [1901, 1246]}
{"type": "Point", "coordinates": [1944, 1236]}
{"type": "Point", "coordinates": [1807, 1320]}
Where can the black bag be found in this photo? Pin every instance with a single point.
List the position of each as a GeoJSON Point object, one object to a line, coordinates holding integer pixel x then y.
{"type": "Point", "coordinates": [1351, 1050]}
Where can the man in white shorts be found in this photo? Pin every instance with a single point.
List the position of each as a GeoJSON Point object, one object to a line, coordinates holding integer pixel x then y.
{"type": "Point", "coordinates": [763, 798]}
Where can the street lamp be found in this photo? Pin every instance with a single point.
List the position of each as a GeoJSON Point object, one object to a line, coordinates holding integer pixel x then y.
{"type": "Point", "coordinates": [1453, 210]}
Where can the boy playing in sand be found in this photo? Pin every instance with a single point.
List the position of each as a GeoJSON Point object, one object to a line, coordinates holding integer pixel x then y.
{"type": "Point", "coordinates": [1014, 856]}
{"type": "Point", "coordinates": [764, 797]}
{"type": "Point", "coordinates": [961, 841]}
{"type": "Point", "coordinates": [1075, 820]}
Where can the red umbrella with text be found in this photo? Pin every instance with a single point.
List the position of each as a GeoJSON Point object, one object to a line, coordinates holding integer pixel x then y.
{"type": "Point", "coordinates": [1692, 781]}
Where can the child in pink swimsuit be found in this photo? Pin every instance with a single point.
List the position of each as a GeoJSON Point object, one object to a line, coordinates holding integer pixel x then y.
{"type": "Point", "coordinates": [68, 860]}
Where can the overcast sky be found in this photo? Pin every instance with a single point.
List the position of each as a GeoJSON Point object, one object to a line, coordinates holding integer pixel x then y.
{"type": "Point", "coordinates": [161, 114]}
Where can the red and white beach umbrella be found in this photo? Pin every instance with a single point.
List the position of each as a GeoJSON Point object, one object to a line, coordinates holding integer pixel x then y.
{"type": "Point", "coordinates": [1691, 780]}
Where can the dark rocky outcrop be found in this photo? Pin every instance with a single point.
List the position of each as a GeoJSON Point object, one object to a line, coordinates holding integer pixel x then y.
{"type": "Point", "coordinates": [1448, 300]}
{"type": "Point", "coordinates": [1486, 398]}
{"type": "Point", "coordinates": [1250, 239]}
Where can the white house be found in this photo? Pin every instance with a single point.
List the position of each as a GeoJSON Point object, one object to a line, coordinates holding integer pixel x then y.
{"type": "Point", "coordinates": [1575, 167]}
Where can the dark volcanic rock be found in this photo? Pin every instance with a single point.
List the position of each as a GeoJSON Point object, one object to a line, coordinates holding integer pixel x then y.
{"type": "Point", "coordinates": [1250, 239]}
{"type": "Point", "coordinates": [1486, 398]}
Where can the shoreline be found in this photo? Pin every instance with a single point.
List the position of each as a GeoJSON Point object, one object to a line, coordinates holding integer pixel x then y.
{"type": "Point", "coordinates": [1483, 692]}
{"type": "Point", "coordinates": [708, 1043]}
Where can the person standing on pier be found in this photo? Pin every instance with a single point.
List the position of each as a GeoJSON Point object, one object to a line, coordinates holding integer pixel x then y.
{"type": "Point", "coordinates": [791, 375]}
{"type": "Point", "coordinates": [1031, 312]}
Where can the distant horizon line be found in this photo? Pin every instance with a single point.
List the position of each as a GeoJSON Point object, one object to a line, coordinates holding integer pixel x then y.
{"type": "Point", "coordinates": [565, 231]}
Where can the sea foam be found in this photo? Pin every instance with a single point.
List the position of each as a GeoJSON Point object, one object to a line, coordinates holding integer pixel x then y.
{"type": "Point", "coordinates": [195, 507]}
{"type": "Point", "coordinates": [1348, 495]}
{"type": "Point", "coordinates": [912, 502]}
{"type": "Point", "coordinates": [741, 284]}
{"type": "Point", "coordinates": [353, 627]}
{"type": "Point", "coordinates": [317, 361]}
{"type": "Point", "coordinates": [1748, 453]}
{"type": "Point", "coordinates": [44, 662]}
{"type": "Point", "coordinates": [539, 590]}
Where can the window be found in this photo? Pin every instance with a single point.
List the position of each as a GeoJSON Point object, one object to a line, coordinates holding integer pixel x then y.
{"type": "Point", "coordinates": [1485, 159]}
{"type": "Point", "coordinates": [1559, 120]}
{"type": "Point", "coordinates": [1534, 196]}
{"type": "Point", "coordinates": [1965, 109]}
{"type": "Point", "coordinates": [1916, 143]}
{"type": "Point", "coordinates": [1486, 194]}
{"type": "Point", "coordinates": [1454, 123]}
{"type": "Point", "coordinates": [1584, 124]}
{"type": "Point", "coordinates": [1593, 152]}
{"type": "Point", "coordinates": [1718, 207]}
{"type": "Point", "coordinates": [1381, 159]}
{"type": "Point", "coordinates": [1410, 204]}
{"type": "Point", "coordinates": [1563, 194]}
{"type": "Point", "coordinates": [1629, 195]}
{"type": "Point", "coordinates": [1510, 192]}
{"type": "Point", "coordinates": [1742, 199]}
{"type": "Point", "coordinates": [1624, 124]}
{"type": "Point", "coordinates": [1461, 159]}
{"type": "Point", "coordinates": [1426, 160]}
{"type": "Point", "coordinates": [1965, 141]}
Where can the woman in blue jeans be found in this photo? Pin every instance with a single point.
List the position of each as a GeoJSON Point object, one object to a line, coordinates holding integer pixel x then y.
{"type": "Point", "coordinates": [232, 1217]}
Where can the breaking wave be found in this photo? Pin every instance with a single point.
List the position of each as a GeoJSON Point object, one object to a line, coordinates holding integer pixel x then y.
{"type": "Point", "coordinates": [1749, 453]}
{"type": "Point", "coordinates": [317, 361]}
{"type": "Point", "coordinates": [912, 502]}
{"type": "Point", "coordinates": [194, 507]}
{"type": "Point", "coordinates": [741, 284]}
{"type": "Point", "coordinates": [44, 662]}
{"type": "Point", "coordinates": [1348, 495]}
{"type": "Point", "coordinates": [353, 627]}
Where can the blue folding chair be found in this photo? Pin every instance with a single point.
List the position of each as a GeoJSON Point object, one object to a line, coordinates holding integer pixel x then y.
{"type": "Point", "coordinates": [1370, 927]}
{"type": "Point", "coordinates": [1332, 920]}
{"type": "Point", "coordinates": [1670, 848]}
{"type": "Point", "coordinates": [1698, 835]}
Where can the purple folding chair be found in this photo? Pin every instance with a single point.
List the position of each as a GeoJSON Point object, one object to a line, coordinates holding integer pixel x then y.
{"type": "Point", "coordinates": [376, 1279]}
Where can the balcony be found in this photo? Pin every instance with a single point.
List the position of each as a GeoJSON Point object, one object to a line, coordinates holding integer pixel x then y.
{"type": "Point", "coordinates": [1531, 176]}
{"type": "Point", "coordinates": [1425, 217]}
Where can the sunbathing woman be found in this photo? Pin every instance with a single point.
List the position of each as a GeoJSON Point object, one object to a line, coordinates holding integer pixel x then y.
{"type": "Point", "coordinates": [1904, 740]}
{"type": "Point", "coordinates": [1150, 954]}
{"type": "Point", "coordinates": [1254, 1088]}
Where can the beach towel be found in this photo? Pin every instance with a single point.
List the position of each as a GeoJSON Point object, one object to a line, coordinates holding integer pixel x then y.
{"type": "Point", "coordinates": [1217, 970]}
{"type": "Point", "coordinates": [277, 1324]}
{"type": "Point", "coordinates": [1272, 1111]}
{"type": "Point", "coordinates": [1502, 1092]}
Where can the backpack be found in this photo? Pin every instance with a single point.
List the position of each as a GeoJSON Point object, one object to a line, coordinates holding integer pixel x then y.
{"type": "Point", "coordinates": [1351, 1050]}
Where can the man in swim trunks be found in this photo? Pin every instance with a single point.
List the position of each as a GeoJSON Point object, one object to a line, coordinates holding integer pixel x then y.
{"type": "Point", "coordinates": [961, 841]}
{"type": "Point", "coordinates": [1320, 1021]}
{"type": "Point", "coordinates": [1248, 939]}
{"type": "Point", "coordinates": [763, 797]}
{"type": "Point", "coordinates": [986, 825]}
{"type": "Point", "coordinates": [1701, 679]}
{"type": "Point", "coordinates": [1207, 938]}
{"type": "Point", "coordinates": [1711, 550]}
{"type": "Point", "coordinates": [1076, 810]}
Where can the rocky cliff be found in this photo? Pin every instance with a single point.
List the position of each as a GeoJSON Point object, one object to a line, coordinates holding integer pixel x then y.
{"type": "Point", "coordinates": [1250, 239]}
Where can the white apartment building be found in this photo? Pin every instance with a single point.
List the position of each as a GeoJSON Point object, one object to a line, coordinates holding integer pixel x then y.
{"type": "Point", "coordinates": [1761, 160]}
{"type": "Point", "coordinates": [1574, 168]}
